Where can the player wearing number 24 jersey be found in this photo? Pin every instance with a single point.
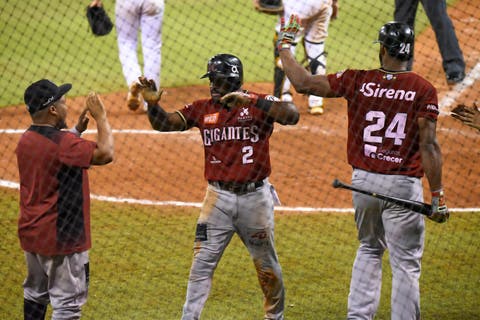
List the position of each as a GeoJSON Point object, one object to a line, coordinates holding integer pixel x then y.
{"type": "Point", "coordinates": [383, 108]}
{"type": "Point", "coordinates": [392, 143]}
{"type": "Point", "coordinates": [236, 126]}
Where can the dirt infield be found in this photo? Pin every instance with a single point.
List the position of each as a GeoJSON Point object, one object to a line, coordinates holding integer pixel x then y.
{"type": "Point", "coordinates": [305, 158]}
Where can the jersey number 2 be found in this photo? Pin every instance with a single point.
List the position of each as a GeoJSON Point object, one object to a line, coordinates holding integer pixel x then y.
{"type": "Point", "coordinates": [395, 129]}
{"type": "Point", "coordinates": [247, 154]}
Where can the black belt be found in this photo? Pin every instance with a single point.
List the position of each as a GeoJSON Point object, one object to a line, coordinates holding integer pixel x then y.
{"type": "Point", "coordinates": [237, 187]}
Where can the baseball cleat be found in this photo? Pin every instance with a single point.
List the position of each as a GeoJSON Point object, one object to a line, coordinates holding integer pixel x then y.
{"type": "Point", "coordinates": [134, 98]}
{"type": "Point", "coordinates": [315, 110]}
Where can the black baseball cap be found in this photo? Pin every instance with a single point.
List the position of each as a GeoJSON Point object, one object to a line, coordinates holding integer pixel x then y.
{"type": "Point", "coordinates": [43, 93]}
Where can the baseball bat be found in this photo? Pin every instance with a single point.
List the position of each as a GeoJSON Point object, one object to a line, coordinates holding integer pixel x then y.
{"type": "Point", "coordinates": [420, 207]}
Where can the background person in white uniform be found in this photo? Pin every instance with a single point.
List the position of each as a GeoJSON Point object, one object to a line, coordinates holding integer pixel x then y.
{"type": "Point", "coordinates": [131, 18]}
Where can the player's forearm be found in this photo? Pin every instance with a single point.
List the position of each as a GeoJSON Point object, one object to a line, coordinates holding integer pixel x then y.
{"type": "Point", "coordinates": [432, 164]}
{"type": "Point", "coordinates": [303, 81]}
{"type": "Point", "coordinates": [296, 73]}
{"type": "Point", "coordinates": [104, 152]}
{"type": "Point", "coordinates": [430, 152]}
{"type": "Point", "coordinates": [158, 118]}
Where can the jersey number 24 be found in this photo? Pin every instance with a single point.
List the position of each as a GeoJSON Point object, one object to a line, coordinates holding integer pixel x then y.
{"type": "Point", "coordinates": [395, 129]}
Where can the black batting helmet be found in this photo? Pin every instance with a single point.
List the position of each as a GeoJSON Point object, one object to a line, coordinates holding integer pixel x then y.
{"type": "Point", "coordinates": [397, 38]}
{"type": "Point", "coordinates": [225, 65]}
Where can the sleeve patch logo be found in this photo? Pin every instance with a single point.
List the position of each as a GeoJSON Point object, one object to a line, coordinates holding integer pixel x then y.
{"type": "Point", "coordinates": [211, 118]}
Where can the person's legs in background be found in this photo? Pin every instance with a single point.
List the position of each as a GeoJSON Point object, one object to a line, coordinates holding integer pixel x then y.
{"type": "Point", "coordinates": [436, 10]}
{"type": "Point", "coordinates": [151, 23]}
{"type": "Point", "coordinates": [127, 22]}
{"type": "Point", "coordinates": [452, 56]}
{"type": "Point", "coordinates": [316, 32]}
{"type": "Point", "coordinates": [406, 11]}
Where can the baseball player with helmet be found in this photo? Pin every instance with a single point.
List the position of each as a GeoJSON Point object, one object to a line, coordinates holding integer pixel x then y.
{"type": "Point", "coordinates": [392, 143]}
{"type": "Point", "coordinates": [235, 126]}
{"type": "Point", "coordinates": [315, 16]}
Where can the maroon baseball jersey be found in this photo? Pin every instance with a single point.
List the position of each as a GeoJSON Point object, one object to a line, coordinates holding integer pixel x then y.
{"type": "Point", "coordinates": [235, 140]}
{"type": "Point", "coordinates": [383, 108]}
{"type": "Point", "coordinates": [54, 191]}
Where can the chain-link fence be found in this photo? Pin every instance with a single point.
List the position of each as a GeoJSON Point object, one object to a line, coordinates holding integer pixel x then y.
{"type": "Point", "coordinates": [145, 204]}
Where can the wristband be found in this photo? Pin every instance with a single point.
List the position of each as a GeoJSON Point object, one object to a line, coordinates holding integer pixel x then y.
{"type": "Point", "coordinates": [284, 46]}
{"type": "Point", "coordinates": [264, 105]}
{"type": "Point", "coordinates": [437, 193]}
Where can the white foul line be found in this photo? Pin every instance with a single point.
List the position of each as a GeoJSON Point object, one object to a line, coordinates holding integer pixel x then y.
{"type": "Point", "coordinates": [15, 185]}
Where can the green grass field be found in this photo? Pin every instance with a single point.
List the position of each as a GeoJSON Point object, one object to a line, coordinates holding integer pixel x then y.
{"type": "Point", "coordinates": [141, 258]}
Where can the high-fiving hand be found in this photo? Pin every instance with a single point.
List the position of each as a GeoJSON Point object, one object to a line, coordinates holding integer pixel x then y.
{"type": "Point", "coordinates": [149, 91]}
{"type": "Point", "coordinates": [95, 106]}
{"type": "Point", "coordinates": [288, 32]}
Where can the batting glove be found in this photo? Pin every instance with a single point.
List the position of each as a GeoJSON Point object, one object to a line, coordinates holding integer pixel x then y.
{"type": "Point", "coordinates": [149, 91]}
{"type": "Point", "coordinates": [440, 212]}
{"type": "Point", "coordinates": [286, 37]}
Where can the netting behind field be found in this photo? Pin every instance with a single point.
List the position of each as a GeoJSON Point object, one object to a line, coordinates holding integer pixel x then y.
{"type": "Point", "coordinates": [145, 204]}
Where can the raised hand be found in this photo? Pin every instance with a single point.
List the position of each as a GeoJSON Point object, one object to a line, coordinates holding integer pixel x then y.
{"type": "Point", "coordinates": [149, 91]}
{"type": "Point", "coordinates": [95, 106]}
{"type": "Point", "coordinates": [288, 32]}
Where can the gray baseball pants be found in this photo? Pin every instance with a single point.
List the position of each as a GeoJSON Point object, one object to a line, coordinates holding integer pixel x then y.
{"type": "Point", "coordinates": [382, 225]}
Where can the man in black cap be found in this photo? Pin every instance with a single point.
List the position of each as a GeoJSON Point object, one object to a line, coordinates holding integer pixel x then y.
{"type": "Point", "coordinates": [54, 222]}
